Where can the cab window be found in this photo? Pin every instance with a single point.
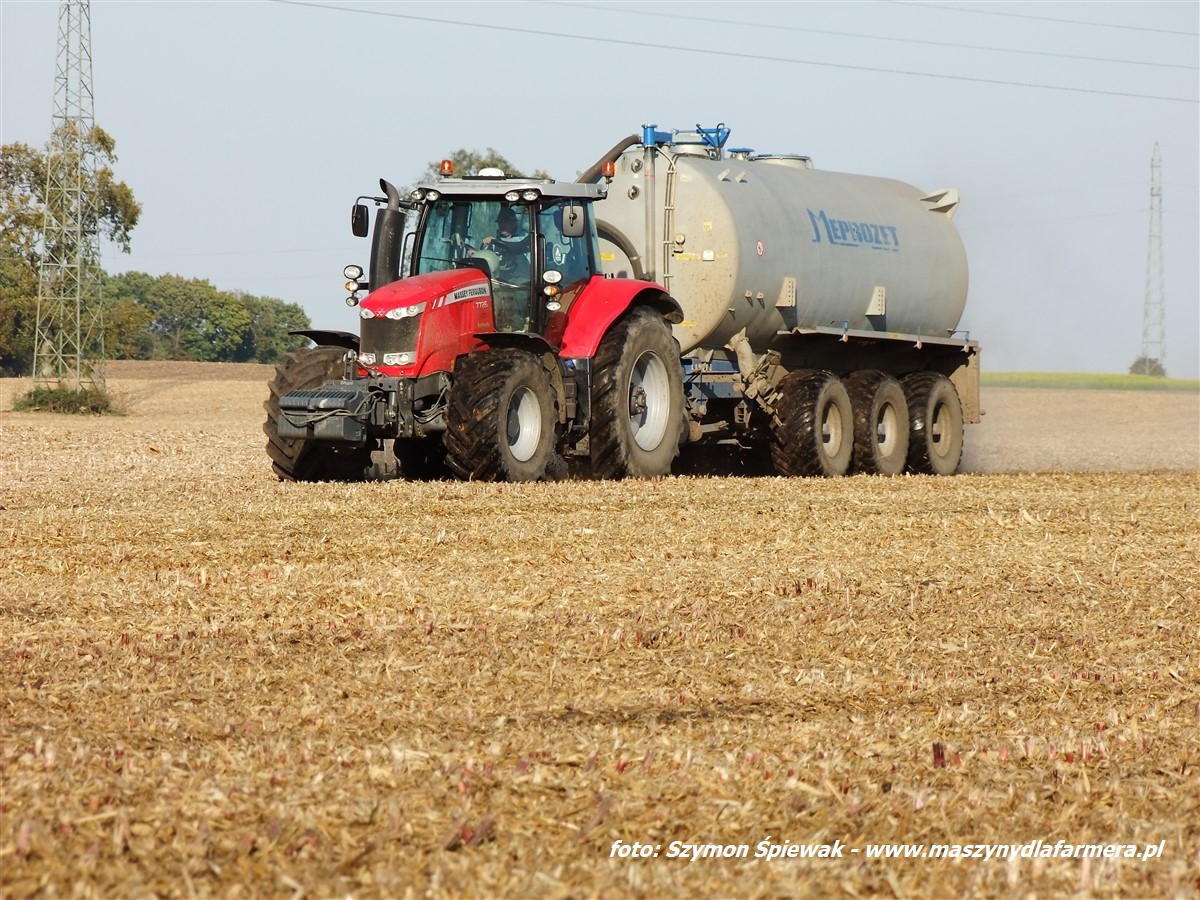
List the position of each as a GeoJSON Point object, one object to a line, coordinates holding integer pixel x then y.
{"type": "Point", "coordinates": [570, 256]}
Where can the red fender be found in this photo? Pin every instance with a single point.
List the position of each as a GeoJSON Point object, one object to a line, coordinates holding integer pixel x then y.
{"type": "Point", "coordinates": [601, 303]}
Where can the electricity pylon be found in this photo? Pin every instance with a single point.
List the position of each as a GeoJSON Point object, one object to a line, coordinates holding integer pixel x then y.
{"type": "Point", "coordinates": [1154, 311]}
{"type": "Point", "coordinates": [69, 348]}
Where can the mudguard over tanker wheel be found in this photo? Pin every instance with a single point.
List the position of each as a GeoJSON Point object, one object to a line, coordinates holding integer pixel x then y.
{"type": "Point", "coordinates": [502, 421]}
{"type": "Point", "coordinates": [637, 399]}
{"type": "Point", "coordinates": [300, 460]}
{"type": "Point", "coordinates": [813, 429]}
{"type": "Point", "coordinates": [880, 423]}
{"type": "Point", "coordinates": [935, 418]}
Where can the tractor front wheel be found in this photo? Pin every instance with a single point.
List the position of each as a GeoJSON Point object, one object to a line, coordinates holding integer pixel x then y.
{"type": "Point", "coordinates": [301, 460]}
{"type": "Point", "coordinates": [503, 418]}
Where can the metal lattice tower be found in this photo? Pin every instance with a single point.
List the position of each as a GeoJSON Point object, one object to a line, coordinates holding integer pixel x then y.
{"type": "Point", "coordinates": [69, 349]}
{"type": "Point", "coordinates": [1154, 312]}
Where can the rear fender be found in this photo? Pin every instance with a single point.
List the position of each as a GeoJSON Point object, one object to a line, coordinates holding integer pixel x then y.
{"type": "Point", "coordinates": [604, 301]}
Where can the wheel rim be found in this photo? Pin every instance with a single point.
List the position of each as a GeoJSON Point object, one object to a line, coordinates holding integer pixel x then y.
{"type": "Point", "coordinates": [832, 432]}
{"type": "Point", "coordinates": [649, 401]}
{"type": "Point", "coordinates": [523, 424]}
{"type": "Point", "coordinates": [887, 430]}
{"type": "Point", "coordinates": [939, 425]}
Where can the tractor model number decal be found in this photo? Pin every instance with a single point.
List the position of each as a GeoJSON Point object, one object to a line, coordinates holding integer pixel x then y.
{"type": "Point", "coordinates": [842, 233]}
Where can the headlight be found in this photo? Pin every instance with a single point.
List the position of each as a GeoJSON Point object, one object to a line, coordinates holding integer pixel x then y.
{"type": "Point", "coordinates": [512, 196]}
{"type": "Point", "coordinates": [403, 312]}
{"type": "Point", "coordinates": [366, 313]}
{"type": "Point", "coordinates": [432, 196]}
{"type": "Point", "coordinates": [397, 359]}
{"type": "Point", "coordinates": [353, 272]}
{"type": "Point", "coordinates": [530, 195]}
{"type": "Point", "coordinates": [367, 359]}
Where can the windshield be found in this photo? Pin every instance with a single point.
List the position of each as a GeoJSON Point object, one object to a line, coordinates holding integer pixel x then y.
{"type": "Point", "coordinates": [494, 230]}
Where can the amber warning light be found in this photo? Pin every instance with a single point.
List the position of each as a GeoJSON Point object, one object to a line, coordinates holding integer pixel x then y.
{"type": "Point", "coordinates": [447, 167]}
{"type": "Point", "coordinates": [609, 169]}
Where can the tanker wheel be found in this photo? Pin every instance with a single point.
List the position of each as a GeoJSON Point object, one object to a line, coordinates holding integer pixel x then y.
{"type": "Point", "coordinates": [935, 418]}
{"type": "Point", "coordinates": [301, 460]}
{"type": "Point", "coordinates": [880, 423]}
{"type": "Point", "coordinates": [637, 399]}
{"type": "Point", "coordinates": [421, 459]}
{"type": "Point", "coordinates": [813, 428]}
{"type": "Point", "coordinates": [502, 421]}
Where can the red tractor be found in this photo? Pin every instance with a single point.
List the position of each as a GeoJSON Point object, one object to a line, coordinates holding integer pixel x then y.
{"type": "Point", "coordinates": [501, 354]}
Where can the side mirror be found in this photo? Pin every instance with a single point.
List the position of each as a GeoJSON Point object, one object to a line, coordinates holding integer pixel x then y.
{"type": "Point", "coordinates": [572, 224]}
{"type": "Point", "coordinates": [358, 220]}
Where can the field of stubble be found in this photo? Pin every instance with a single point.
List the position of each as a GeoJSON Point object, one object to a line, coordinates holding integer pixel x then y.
{"type": "Point", "coordinates": [214, 684]}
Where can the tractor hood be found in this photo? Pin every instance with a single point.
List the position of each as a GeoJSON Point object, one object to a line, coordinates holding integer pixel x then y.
{"type": "Point", "coordinates": [410, 326]}
{"type": "Point", "coordinates": [412, 296]}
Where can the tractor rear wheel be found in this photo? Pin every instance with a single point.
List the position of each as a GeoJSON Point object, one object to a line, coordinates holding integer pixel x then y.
{"type": "Point", "coordinates": [301, 460]}
{"type": "Point", "coordinates": [503, 417]}
{"type": "Point", "coordinates": [880, 423]}
{"type": "Point", "coordinates": [637, 399]}
{"type": "Point", "coordinates": [935, 416]}
{"type": "Point", "coordinates": [813, 429]}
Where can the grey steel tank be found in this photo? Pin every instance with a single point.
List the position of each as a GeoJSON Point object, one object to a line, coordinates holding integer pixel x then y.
{"type": "Point", "coordinates": [771, 245]}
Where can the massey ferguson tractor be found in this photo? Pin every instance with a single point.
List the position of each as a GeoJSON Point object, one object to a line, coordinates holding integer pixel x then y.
{"type": "Point", "coordinates": [516, 329]}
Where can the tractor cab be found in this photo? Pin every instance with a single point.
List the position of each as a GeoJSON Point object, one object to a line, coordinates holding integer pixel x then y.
{"type": "Point", "coordinates": [533, 240]}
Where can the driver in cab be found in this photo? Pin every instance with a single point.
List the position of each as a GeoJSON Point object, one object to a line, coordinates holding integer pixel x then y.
{"type": "Point", "coordinates": [511, 243]}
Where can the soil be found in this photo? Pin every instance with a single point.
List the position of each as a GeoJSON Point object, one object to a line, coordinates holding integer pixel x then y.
{"type": "Point", "coordinates": [1023, 429]}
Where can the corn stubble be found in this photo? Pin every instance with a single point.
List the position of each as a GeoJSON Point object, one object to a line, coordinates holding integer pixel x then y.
{"type": "Point", "coordinates": [215, 684]}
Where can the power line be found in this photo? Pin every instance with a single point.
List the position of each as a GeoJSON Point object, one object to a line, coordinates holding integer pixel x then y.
{"type": "Point", "coordinates": [871, 37]}
{"type": "Point", "coordinates": [1012, 15]}
{"type": "Point", "coordinates": [756, 57]}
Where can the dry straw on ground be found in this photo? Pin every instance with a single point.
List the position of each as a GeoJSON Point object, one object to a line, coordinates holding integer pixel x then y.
{"type": "Point", "coordinates": [214, 684]}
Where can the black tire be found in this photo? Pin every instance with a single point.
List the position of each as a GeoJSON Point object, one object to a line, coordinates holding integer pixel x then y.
{"type": "Point", "coordinates": [300, 460]}
{"type": "Point", "coordinates": [881, 423]}
{"type": "Point", "coordinates": [503, 418]}
{"type": "Point", "coordinates": [935, 417]}
{"type": "Point", "coordinates": [813, 428]}
{"type": "Point", "coordinates": [421, 459]}
{"type": "Point", "coordinates": [637, 399]}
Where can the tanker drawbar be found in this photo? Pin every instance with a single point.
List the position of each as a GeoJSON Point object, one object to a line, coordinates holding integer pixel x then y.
{"type": "Point", "coordinates": [683, 295]}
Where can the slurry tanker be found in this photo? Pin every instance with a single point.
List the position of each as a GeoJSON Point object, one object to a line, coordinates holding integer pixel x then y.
{"type": "Point", "coordinates": [518, 329]}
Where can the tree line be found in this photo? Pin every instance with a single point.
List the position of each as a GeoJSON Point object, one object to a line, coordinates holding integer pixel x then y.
{"type": "Point", "coordinates": [145, 316]}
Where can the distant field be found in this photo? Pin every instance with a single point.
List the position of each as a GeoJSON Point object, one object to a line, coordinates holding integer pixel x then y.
{"type": "Point", "coordinates": [214, 684]}
{"type": "Point", "coordinates": [1085, 381]}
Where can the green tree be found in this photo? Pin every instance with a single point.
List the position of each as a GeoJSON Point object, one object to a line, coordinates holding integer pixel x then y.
{"type": "Point", "coordinates": [193, 320]}
{"type": "Point", "coordinates": [270, 321]}
{"type": "Point", "coordinates": [469, 162]}
{"type": "Point", "coordinates": [1144, 365]}
{"type": "Point", "coordinates": [18, 314]}
{"type": "Point", "coordinates": [170, 317]}
{"type": "Point", "coordinates": [23, 191]}
{"type": "Point", "coordinates": [128, 331]}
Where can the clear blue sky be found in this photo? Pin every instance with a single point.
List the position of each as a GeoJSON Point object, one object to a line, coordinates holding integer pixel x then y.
{"type": "Point", "coordinates": [247, 129]}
